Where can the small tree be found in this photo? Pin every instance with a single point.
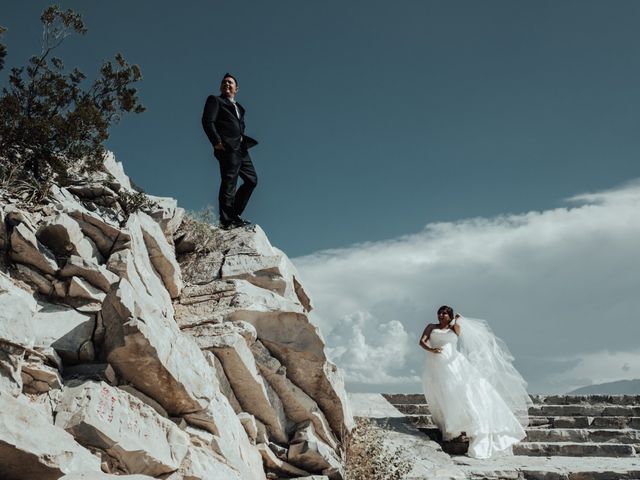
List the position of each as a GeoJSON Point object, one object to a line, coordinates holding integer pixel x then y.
{"type": "Point", "coordinates": [3, 49]}
{"type": "Point", "coordinates": [49, 123]}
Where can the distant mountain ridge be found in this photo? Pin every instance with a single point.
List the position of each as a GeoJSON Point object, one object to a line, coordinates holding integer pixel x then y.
{"type": "Point", "coordinates": [620, 387]}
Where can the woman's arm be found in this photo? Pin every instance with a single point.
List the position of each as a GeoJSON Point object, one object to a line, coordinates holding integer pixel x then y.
{"type": "Point", "coordinates": [456, 325]}
{"type": "Point", "coordinates": [425, 337]}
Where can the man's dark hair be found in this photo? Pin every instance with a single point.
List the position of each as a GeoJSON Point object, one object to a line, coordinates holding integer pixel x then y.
{"type": "Point", "coordinates": [228, 75]}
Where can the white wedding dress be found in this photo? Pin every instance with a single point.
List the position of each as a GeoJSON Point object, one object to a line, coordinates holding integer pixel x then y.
{"type": "Point", "coordinates": [475, 390]}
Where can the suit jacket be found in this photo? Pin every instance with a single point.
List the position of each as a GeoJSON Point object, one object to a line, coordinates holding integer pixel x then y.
{"type": "Point", "coordinates": [222, 125]}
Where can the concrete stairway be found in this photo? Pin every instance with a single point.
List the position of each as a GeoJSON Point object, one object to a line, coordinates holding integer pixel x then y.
{"type": "Point", "coordinates": [605, 428]}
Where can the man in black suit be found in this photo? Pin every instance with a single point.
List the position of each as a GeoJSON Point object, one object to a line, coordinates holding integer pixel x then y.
{"type": "Point", "coordinates": [223, 122]}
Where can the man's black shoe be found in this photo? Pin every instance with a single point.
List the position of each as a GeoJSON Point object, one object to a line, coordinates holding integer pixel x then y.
{"type": "Point", "coordinates": [228, 225]}
{"type": "Point", "coordinates": [235, 223]}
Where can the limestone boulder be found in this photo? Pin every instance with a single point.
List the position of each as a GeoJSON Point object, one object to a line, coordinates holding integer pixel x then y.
{"type": "Point", "coordinates": [215, 335]}
{"type": "Point", "coordinates": [64, 201]}
{"type": "Point", "coordinates": [87, 352]}
{"type": "Point", "coordinates": [308, 451]}
{"type": "Point", "coordinates": [250, 425]}
{"type": "Point", "coordinates": [200, 268]}
{"type": "Point", "coordinates": [102, 476]}
{"type": "Point", "coordinates": [11, 362]}
{"type": "Point", "coordinates": [277, 466]}
{"type": "Point", "coordinates": [98, 275]}
{"type": "Point", "coordinates": [50, 356]}
{"type": "Point", "coordinates": [99, 372]}
{"type": "Point", "coordinates": [161, 254]}
{"type": "Point", "coordinates": [94, 192]}
{"type": "Point", "coordinates": [80, 288]}
{"type": "Point", "coordinates": [231, 347]}
{"type": "Point", "coordinates": [107, 236]}
{"type": "Point", "coordinates": [298, 406]}
{"type": "Point", "coordinates": [63, 236]}
{"type": "Point", "coordinates": [203, 304]}
{"type": "Point", "coordinates": [250, 256]}
{"type": "Point", "coordinates": [17, 311]}
{"type": "Point", "coordinates": [114, 168]}
{"type": "Point", "coordinates": [127, 429]}
{"type": "Point", "coordinates": [145, 399]}
{"type": "Point", "coordinates": [200, 437]}
{"type": "Point", "coordinates": [213, 290]}
{"type": "Point", "coordinates": [167, 214]}
{"type": "Point", "coordinates": [262, 436]}
{"type": "Point", "coordinates": [4, 235]}
{"type": "Point", "coordinates": [63, 328]}
{"type": "Point", "coordinates": [203, 464]}
{"type": "Point", "coordinates": [186, 241]}
{"type": "Point", "coordinates": [32, 448]}
{"type": "Point", "coordinates": [45, 284]}
{"type": "Point", "coordinates": [123, 264]}
{"type": "Point", "coordinates": [14, 215]}
{"type": "Point", "coordinates": [218, 379]}
{"type": "Point", "coordinates": [148, 350]}
{"type": "Point", "coordinates": [44, 403]}
{"type": "Point", "coordinates": [27, 249]}
{"type": "Point", "coordinates": [283, 327]}
{"type": "Point", "coordinates": [225, 386]}
{"type": "Point", "coordinates": [229, 438]}
{"type": "Point", "coordinates": [39, 377]}
{"type": "Point", "coordinates": [135, 265]}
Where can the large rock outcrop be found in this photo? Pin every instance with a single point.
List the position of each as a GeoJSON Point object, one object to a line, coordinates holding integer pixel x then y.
{"type": "Point", "coordinates": [31, 447]}
{"type": "Point", "coordinates": [143, 344]}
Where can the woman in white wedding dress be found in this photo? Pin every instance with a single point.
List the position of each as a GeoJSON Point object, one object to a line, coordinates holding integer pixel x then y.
{"type": "Point", "coordinates": [471, 385]}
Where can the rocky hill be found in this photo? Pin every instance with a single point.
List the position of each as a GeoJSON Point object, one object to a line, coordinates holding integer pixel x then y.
{"type": "Point", "coordinates": [620, 387]}
{"type": "Point", "coordinates": [137, 342]}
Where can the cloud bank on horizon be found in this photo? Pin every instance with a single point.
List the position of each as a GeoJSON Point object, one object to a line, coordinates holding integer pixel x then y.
{"type": "Point", "coordinates": [560, 287]}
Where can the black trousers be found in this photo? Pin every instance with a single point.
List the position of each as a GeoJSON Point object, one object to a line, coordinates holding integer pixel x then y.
{"type": "Point", "coordinates": [234, 164]}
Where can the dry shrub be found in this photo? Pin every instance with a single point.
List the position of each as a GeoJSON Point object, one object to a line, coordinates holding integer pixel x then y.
{"type": "Point", "coordinates": [367, 457]}
{"type": "Point", "coordinates": [198, 247]}
{"type": "Point", "coordinates": [198, 228]}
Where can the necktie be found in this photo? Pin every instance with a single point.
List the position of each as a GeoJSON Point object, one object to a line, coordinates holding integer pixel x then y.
{"type": "Point", "coordinates": [236, 107]}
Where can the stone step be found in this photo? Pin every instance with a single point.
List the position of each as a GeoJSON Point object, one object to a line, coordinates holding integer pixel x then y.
{"type": "Point", "coordinates": [400, 398]}
{"type": "Point", "coordinates": [534, 434]}
{"type": "Point", "coordinates": [571, 445]}
{"type": "Point", "coordinates": [571, 449]}
{"type": "Point", "coordinates": [516, 467]}
{"type": "Point", "coordinates": [588, 399]}
{"type": "Point", "coordinates": [586, 410]}
{"type": "Point", "coordinates": [417, 398]}
{"type": "Point", "coordinates": [551, 468]}
{"type": "Point", "coordinates": [574, 435]}
{"type": "Point", "coordinates": [581, 475]}
{"type": "Point", "coordinates": [609, 423]}
{"type": "Point", "coordinates": [585, 422]}
{"type": "Point", "coordinates": [413, 408]}
{"type": "Point", "coordinates": [583, 435]}
{"type": "Point", "coordinates": [421, 420]}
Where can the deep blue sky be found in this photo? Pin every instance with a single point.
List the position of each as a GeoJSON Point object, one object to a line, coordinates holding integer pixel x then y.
{"type": "Point", "coordinates": [374, 117]}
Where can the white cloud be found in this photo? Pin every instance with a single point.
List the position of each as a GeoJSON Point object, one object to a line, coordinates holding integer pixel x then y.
{"type": "Point", "coordinates": [555, 285]}
{"type": "Point", "coordinates": [364, 343]}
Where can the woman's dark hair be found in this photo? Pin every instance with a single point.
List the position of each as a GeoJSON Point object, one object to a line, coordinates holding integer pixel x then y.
{"type": "Point", "coordinates": [446, 309]}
